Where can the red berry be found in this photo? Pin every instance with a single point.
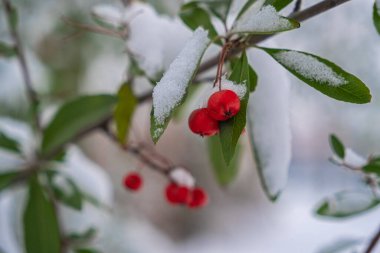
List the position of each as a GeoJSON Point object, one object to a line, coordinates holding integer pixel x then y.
{"type": "Point", "coordinates": [199, 198]}
{"type": "Point", "coordinates": [201, 123]}
{"type": "Point", "coordinates": [223, 105]}
{"type": "Point", "coordinates": [133, 181]}
{"type": "Point", "coordinates": [176, 194]}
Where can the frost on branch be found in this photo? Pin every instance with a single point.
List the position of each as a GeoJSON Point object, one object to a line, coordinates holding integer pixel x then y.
{"type": "Point", "coordinates": [309, 67]}
{"type": "Point", "coordinates": [171, 89]}
{"type": "Point", "coordinates": [262, 20]}
{"type": "Point", "coordinates": [269, 127]}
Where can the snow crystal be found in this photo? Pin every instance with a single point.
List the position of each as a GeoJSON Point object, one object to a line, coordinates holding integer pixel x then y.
{"type": "Point", "coordinates": [310, 67]}
{"type": "Point", "coordinates": [265, 20]}
{"type": "Point", "coordinates": [353, 159]}
{"type": "Point", "coordinates": [108, 13]}
{"type": "Point", "coordinates": [269, 124]}
{"type": "Point", "coordinates": [182, 177]}
{"type": "Point", "coordinates": [171, 89]}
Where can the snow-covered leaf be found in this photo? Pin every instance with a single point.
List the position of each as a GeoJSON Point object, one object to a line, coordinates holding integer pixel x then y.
{"type": "Point", "coordinates": [376, 15]}
{"type": "Point", "coordinates": [252, 75]}
{"type": "Point", "coordinates": [41, 232]}
{"type": "Point", "coordinates": [170, 91]}
{"type": "Point", "coordinates": [231, 129]}
{"type": "Point", "coordinates": [269, 126]}
{"type": "Point", "coordinates": [262, 20]}
{"type": "Point", "coordinates": [74, 117]}
{"type": "Point", "coordinates": [322, 75]}
{"type": "Point", "coordinates": [218, 8]}
{"type": "Point", "coordinates": [346, 204]}
{"type": "Point", "coordinates": [224, 173]}
{"type": "Point", "coordinates": [339, 246]}
{"type": "Point", "coordinates": [194, 16]}
{"type": "Point", "coordinates": [124, 111]}
{"type": "Point", "coordinates": [337, 146]}
{"type": "Point", "coordinates": [8, 143]}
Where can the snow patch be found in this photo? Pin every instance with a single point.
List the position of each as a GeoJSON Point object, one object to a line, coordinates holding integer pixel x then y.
{"type": "Point", "coordinates": [310, 67]}
{"type": "Point", "coordinates": [182, 177]}
{"type": "Point", "coordinates": [170, 90]}
{"type": "Point", "coordinates": [269, 123]}
{"type": "Point", "coordinates": [109, 14]}
{"type": "Point", "coordinates": [354, 159]}
{"type": "Point", "coordinates": [349, 202]}
{"type": "Point", "coordinates": [264, 20]}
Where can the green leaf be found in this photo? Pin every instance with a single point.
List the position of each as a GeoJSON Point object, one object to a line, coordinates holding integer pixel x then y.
{"type": "Point", "coordinates": [322, 75]}
{"type": "Point", "coordinates": [224, 173]}
{"type": "Point", "coordinates": [9, 143]}
{"type": "Point", "coordinates": [218, 8]}
{"type": "Point", "coordinates": [253, 78]}
{"type": "Point", "coordinates": [74, 118]}
{"type": "Point", "coordinates": [124, 111]}
{"type": "Point", "coordinates": [372, 167]}
{"type": "Point", "coordinates": [7, 50]}
{"type": "Point", "coordinates": [13, 16]}
{"type": "Point", "coordinates": [376, 16]}
{"type": "Point", "coordinates": [86, 250]}
{"type": "Point", "coordinates": [84, 237]}
{"type": "Point", "coordinates": [194, 16]}
{"type": "Point", "coordinates": [337, 146]}
{"type": "Point", "coordinates": [65, 190]}
{"type": "Point", "coordinates": [6, 178]}
{"type": "Point", "coordinates": [340, 245]}
{"type": "Point", "coordinates": [278, 4]}
{"type": "Point", "coordinates": [159, 121]}
{"type": "Point", "coordinates": [41, 232]}
{"type": "Point", "coordinates": [347, 204]}
{"type": "Point", "coordinates": [231, 129]}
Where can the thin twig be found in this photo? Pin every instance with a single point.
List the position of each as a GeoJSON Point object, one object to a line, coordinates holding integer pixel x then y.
{"type": "Point", "coordinates": [373, 242]}
{"type": "Point", "coordinates": [32, 95]}
{"type": "Point", "coordinates": [297, 6]}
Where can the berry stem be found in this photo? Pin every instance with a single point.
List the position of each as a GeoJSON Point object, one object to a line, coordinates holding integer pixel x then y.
{"type": "Point", "coordinates": [225, 49]}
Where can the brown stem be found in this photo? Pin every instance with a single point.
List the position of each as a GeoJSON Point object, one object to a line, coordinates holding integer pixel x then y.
{"type": "Point", "coordinates": [297, 6]}
{"type": "Point", "coordinates": [32, 95]}
{"type": "Point", "coordinates": [222, 57]}
{"type": "Point", "coordinates": [373, 242]}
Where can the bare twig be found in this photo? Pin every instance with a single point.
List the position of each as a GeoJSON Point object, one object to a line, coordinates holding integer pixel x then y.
{"type": "Point", "coordinates": [32, 95]}
{"type": "Point", "coordinates": [297, 6]}
{"type": "Point", "coordinates": [373, 243]}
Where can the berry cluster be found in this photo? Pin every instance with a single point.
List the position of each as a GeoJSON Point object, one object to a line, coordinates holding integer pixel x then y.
{"type": "Point", "coordinates": [221, 106]}
{"type": "Point", "coordinates": [180, 191]}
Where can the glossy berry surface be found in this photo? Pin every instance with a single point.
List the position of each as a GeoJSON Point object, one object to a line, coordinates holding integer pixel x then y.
{"type": "Point", "coordinates": [133, 181]}
{"type": "Point", "coordinates": [223, 105]}
{"type": "Point", "coordinates": [200, 122]}
{"type": "Point", "coordinates": [176, 194]}
{"type": "Point", "coordinates": [199, 198]}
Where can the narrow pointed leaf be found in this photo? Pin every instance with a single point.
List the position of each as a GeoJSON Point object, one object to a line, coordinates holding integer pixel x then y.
{"type": "Point", "coordinates": [224, 173]}
{"type": "Point", "coordinates": [376, 16]}
{"type": "Point", "coordinates": [41, 232]}
{"type": "Point", "coordinates": [347, 204]}
{"type": "Point", "coordinates": [7, 50]}
{"type": "Point", "coordinates": [8, 143]}
{"type": "Point", "coordinates": [337, 146]}
{"type": "Point", "coordinates": [322, 75]}
{"type": "Point", "coordinates": [124, 110]}
{"type": "Point", "coordinates": [75, 117]}
{"type": "Point", "coordinates": [278, 4]}
{"type": "Point", "coordinates": [231, 129]}
{"type": "Point", "coordinates": [6, 178]}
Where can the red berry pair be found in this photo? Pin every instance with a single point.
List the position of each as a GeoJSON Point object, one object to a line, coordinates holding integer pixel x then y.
{"type": "Point", "coordinates": [193, 198]}
{"type": "Point", "coordinates": [221, 106]}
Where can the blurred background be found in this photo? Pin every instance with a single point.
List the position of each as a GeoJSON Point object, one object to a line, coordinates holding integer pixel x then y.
{"type": "Point", "coordinates": [239, 218]}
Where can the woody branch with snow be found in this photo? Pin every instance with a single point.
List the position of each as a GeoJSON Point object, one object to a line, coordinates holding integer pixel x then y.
{"type": "Point", "coordinates": [234, 100]}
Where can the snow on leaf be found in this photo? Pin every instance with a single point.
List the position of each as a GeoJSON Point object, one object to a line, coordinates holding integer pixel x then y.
{"type": "Point", "coordinates": [171, 89]}
{"type": "Point", "coordinates": [310, 67]}
{"type": "Point", "coordinates": [268, 125]}
{"type": "Point", "coordinates": [264, 20]}
{"type": "Point", "coordinates": [354, 159]}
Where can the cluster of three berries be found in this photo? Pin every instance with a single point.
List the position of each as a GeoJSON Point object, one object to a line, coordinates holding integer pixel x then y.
{"type": "Point", "coordinates": [221, 106]}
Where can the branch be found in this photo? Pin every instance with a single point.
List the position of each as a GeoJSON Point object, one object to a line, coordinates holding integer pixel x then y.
{"type": "Point", "coordinates": [11, 13]}
{"type": "Point", "coordinates": [300, 16]}
{"type": "Point", "coordinates": [373, 243]}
